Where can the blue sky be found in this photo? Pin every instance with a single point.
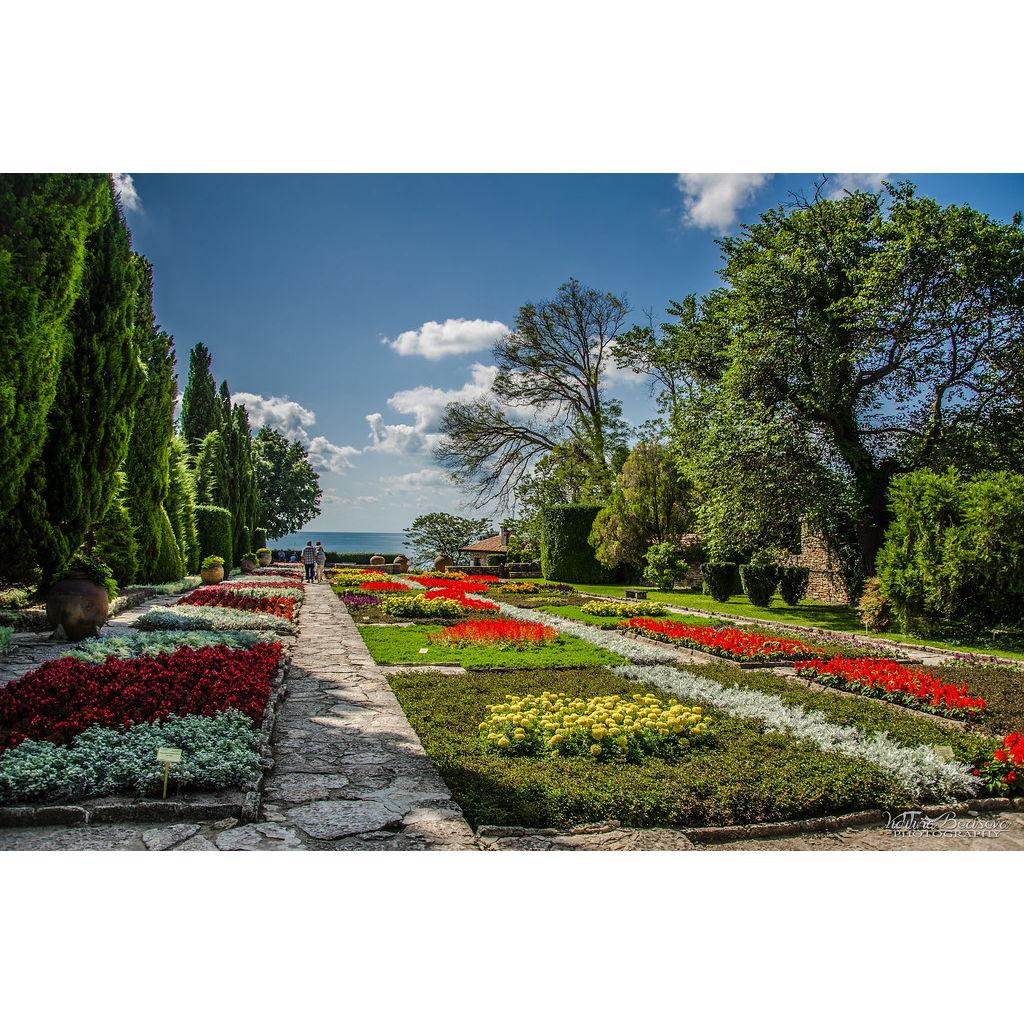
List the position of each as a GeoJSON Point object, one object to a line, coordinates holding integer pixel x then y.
{"type": "Point", "coordinates": [316, 293]}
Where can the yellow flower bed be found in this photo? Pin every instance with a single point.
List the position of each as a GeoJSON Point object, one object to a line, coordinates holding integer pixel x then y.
{"type": "Point", "coordinates": [519, 588]}
{"type": "Point", "coordinates": [623, 609]}
{"type": "Point", "coordinates": [605, 728]}
{"type": "Point", "coordinates": [355, 577]}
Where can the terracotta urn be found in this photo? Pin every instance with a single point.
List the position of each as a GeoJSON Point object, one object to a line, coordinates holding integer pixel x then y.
{"type": "Point", "coordinates": [264, 559]}
{"type": "Point", "coordinates": [377, 560]}
{"type": "Point", "coordinates": [248, 565]}
{"type": "Point", "coordinates": [442, 562]}
{"type": "Point", "coordinates": [212, 575]}
{"type": "Point", "coordinates": [401, 562]}
{"type": "Point", "coordinates": [76, 607]}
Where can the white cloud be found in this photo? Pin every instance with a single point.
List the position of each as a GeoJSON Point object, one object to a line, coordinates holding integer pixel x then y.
{"type": "Point", "coordinates": [454, 337]}
{"type": "Point", "coordinates": [841, 183]}
{"type": "Point", "coordinates": [713, 201]}
{"type": "Point", "coordinates": [425, 404]}
{"type": "Point", "coordinates": [615, 374]}
{"type": "Point", "coordinates": [124, 188]}
{"type": "Point", "coordinates": [291, 419]}
{"type": "Point", "coordinates": [417, 480]}
{"type": "Point", "coordinates": [325, 455]}
{"type": "Point", "coordinates": [279, 413]}
{"type": "Point", "coordinates": [354, 499]}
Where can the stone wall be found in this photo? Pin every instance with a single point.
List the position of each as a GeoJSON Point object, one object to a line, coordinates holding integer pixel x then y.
{"type": "Point", "coordinates": [826, 583]}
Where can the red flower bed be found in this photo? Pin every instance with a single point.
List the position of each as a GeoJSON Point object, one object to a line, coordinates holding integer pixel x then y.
{"type": "Point", "coordinates": [473, 586]}
{"type": "Point", "coordinates": [889, 680]}
{"type": "Point", "coordinates": [64, 697]}
{"type": "Point", "coordinates": [496, 632]}
{"type": "Point", "coordinates": [219, 597]}
{"type": "Point", "coordinates": [1003, 772]}
{"type": "Point", "coordinates": [466, 602]}
{"type": "Point", "coordinates": [382, 585]}
{"type": "Point", "coordinates": [725, 642]}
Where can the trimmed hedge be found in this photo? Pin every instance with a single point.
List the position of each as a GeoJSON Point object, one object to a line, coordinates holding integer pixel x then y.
{"type": "Point", "coordinates": [759, 583]}
{"type": "Point", "coordinates": [721, 579]}
{"type": "Point", "coordinates": [214, 527]}
{"type": "Point", "coordinates": [259, 539]}
{"type": "Point", "coordinates": [358, 557]}
{"type": "Point", "coordinates": [793, 582]}
{"type": "Point", "coordinates": [565, 551]}
{"type": "Point", "coordinates": [244, 541]}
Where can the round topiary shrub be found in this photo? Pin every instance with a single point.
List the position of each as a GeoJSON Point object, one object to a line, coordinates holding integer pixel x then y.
{"type": "Point", "coordinates": [759, 583]}
{"type": "Point", "coordinates": [720, 579]}
{"type": "Point", "coordinates": [565, 550]}
{"type": "Point", "coordinates": [793, 581]}
{"type": "Point", "coordinates": [214, 528]}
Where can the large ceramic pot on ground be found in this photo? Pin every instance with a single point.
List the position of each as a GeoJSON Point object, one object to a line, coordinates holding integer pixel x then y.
{"type": "Point", "coordinates": [212, 575]}
{"type": "Point", "coordinates": [442, 562]}
{"type": "Point", "coordinates": [265, 559]}
{"type": "Point", "coordinates": [76, 607]}
{"type": "Point", "coordinates": [377, 560]}
{"type": "Point", "coordinates": [248, 565]}
{"type": "Point", "coordinates": [401, 563]}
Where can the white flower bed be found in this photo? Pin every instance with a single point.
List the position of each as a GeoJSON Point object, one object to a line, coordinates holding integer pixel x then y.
{"type": "Point", "coordinates": [185, 616]}
{"type": "Point", "coordinates": [919, 769]}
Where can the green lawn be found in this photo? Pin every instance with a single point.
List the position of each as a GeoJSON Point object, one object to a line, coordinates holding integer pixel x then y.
{"type": "Point", "coordinates": [745, 775]}
{"type": "Point", "coordinates": [569, 611]}
{"type": "Point", "coordinates": [822, 616]}
{"type": "Point", "coordinates": [402, 645]}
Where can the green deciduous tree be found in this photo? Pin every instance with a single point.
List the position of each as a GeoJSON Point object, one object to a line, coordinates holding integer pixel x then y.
{"type": "Point", "coordinates": [201, 407]}
{"type": "Point", "coordinates": [288, 488]}
{"type": "Point", "coordinates": [651, 504]}
{"type": "Point", "coordinates": [439, 533]}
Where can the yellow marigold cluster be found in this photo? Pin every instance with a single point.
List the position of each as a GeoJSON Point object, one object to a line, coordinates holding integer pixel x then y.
{"type": "Point", "coordinates": [355, 577]}
{"type": "Point", "coordinates": [606, 728]}
{"type": "Point", "coordinates": [419, 606]}
{"type": "Point", "coordinates": [518, 588]}
{"type": "Point", "coordinates": [623, 609]}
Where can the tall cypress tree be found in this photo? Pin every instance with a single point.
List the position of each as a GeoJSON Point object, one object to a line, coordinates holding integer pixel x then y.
{"type": "Point", "coordinates": [45, 220]}
{"type": "Point", "coordinates": [200, 406]}
{"type": "Point", "coordinates": [75, 479]}
{"type": "Point", "coordinates": [181, 505]}
{"type": "Point", "coordinates": [242, 477]}
{"type": "Point", "coordinates": [213, 475]}
{"type": "Point", "coordinates": [147, 464]}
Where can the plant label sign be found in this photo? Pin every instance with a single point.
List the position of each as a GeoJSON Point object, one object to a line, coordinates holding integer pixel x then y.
{"type": "Point", "coordinates": [424, 650]}
{"type": "Point", "coordinates": [946, 753]}
{"type": "Point", "coordinates": [168, 755]}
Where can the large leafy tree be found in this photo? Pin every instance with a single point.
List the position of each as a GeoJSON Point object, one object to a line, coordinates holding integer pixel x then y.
{"type": "Point", "coordinates": [549, 394]}
{"type": "Point", "coordinates": [101, 377]}
{"type": "Point", "coordinates": [864, 333]}
{"type": "Point", "coordinates": [45, 220]}
{"type": "Point", "coordinates": [201, 407]}
{"type": "Point", "coordinates": [288, 488]}
{"type": "Point", "coordinates": [652, 503]}
{"type": "Point", "coordinates": [440, 533]}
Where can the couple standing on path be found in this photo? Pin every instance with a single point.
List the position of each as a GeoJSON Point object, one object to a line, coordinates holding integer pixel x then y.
{"type": "Point", "coordinates": [314, 559]}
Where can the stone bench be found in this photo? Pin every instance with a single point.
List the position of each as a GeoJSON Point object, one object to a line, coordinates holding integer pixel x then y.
{"type": "Point", "coordinates": [636, 594]}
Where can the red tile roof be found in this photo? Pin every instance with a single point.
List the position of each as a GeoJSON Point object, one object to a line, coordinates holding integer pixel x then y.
{"type": "Point", "coordinates": [495, 545]}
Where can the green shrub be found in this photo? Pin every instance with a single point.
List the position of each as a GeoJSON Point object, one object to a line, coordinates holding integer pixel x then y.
{"type": "Point", "coordinates": [873, 609]}
{"type": "Point", "coordinates": [212, 561]}
{"type": "Point", "coordinates": [953, 557]}
{"type": "Point", "coordinates": [793, 582]}
{"type": "Point", "coordinates": [6, 633]}
{"type": "Point", "coordinates": [565, 550]}
{"type": "Point", "coordinates": [759, 583]}
{"type": "Point", "coordinates": [259, 539]}
{"type": "Point", "coordinates": [663, 566]}
{"type": "Point", "coordinates": [214, 528]}
{"type": "Point", "coordinates": [92, 569]}
{"type": "Point", "coordinates": [721, 579]}
{"type": "Point", "coordinates": [244, 541]}
{"type": "Point", "coordinates": [263, 551]}
{"type": "Point", "coordinates": [249, 556]}
{"type": "Point", "coordinates": [168, 564]}
{"type": "Point", "coordinates": [496, 559]}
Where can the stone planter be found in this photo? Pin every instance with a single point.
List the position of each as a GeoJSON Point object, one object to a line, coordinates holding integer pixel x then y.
{"type": "Point", "coordinates": [377, 560]}
{"type": "Point", "coordinates": [442, 562]}
{"type": "Point", "coordinates": [265, 559]}
{"type": "Point", "coordinates": [248, 565]}
{"type": "Point", "coordinates": [213, 575]}
{"type": "Point", "coordinates": [76, 608]}
{"type": "Point", "coordinates": [402, 563]}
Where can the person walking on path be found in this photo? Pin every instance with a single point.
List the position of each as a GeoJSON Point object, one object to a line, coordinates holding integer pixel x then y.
{"type": "Point", "coordinates": [321, 562]}
{"type": "Point", "coordinates": [309, 560]}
